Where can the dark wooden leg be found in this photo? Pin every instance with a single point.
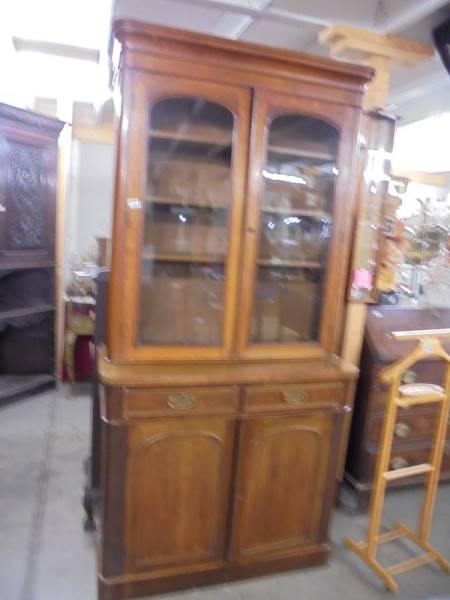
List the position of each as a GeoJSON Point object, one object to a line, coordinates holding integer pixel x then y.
{"type": "Point", "coordinates": [89, 499]}
{"type": "Point", "coordinates": [69, 361]}
{"type": "Point", "coordinates": [91, 494]}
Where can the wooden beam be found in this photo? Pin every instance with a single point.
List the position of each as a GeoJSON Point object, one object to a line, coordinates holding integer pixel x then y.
{"type": "Point", "coordinates": [441, 180]}
{"type": "Point", "coordinates": [355, 320]}
{"type": "Point", "coordinates": [378, 89]}
{"type": "Point", "coordinates": [65, 50]}
{"type": "Point", "coordinates": [381, 52]}
{"type": "Point", "coordinates": [104, 134]}
{"type": "Point", "coordinates": [356, 44]}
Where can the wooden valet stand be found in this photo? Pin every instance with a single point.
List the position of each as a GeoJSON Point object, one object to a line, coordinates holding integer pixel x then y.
{"type": "Point", "coordinates": [404, 396]}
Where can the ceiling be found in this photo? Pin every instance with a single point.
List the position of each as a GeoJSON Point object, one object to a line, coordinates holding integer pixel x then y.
{"type": "Point", "coordinates": [53, 49]}
{"type": "Point", "coordinates": [59, 49]}
{"type": "Point", "coordinates": [415, 93]}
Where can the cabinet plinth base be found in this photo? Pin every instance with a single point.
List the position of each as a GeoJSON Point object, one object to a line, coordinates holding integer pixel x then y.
{"type": "Point", "coordinates": [117, 588]}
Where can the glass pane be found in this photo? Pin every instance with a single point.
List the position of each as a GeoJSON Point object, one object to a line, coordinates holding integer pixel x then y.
{"type": "Point", "coordinates": [296, 227]}
{"type": "Point", "coordinates": [375, 156]}
{"type": "Point", "coordinates": [185, 232]}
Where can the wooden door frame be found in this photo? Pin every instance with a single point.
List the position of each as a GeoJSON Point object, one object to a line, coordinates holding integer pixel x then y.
{"type": "Point", "coordinates": [267, 105]}
{"type": "Point", "coordinates": [140, 90]}
{"type": "Point", "coordinates": [332, 419]}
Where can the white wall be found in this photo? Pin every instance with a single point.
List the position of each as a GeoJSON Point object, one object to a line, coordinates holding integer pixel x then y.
{"type": "Point", "coordinates": [89, 200]}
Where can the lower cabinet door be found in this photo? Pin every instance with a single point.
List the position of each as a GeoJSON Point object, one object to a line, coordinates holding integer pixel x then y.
{"type": "Point", "coordinates": [178, 491]}
{"type": "Point", "coordinates": [285, 483]}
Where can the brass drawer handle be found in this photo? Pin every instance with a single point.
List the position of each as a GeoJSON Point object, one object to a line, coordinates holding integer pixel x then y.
{"type": "Point", "coordinates": [181, 401]}
{"type": "Point", "coordinates": [409, 376]}
{"type": "Point", "coordinates": [295, 395]}
{"type": "Point", "coordinates": [399, 463]}
{"type": "Point", "coordinates": [402, 430]}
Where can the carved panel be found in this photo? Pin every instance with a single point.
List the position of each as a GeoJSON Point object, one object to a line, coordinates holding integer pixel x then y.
{"type": "Point", "coordinates": [281, 487]}
{"type": "Point", "coordinates": [26, 201]}
{"type": "Point", "coordinates": [179, 473]}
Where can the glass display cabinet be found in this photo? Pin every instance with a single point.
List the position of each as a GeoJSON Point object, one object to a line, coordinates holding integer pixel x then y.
{"type": "Point", "coordinates": [374, 207]}
{"type": "Point", "coordinates": [232, 232]}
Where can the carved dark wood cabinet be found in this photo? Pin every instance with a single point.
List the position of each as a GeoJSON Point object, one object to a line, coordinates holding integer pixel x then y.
{"type": "Point", "coordinates": [414, 426]}
{"type": "Point", "coordinates": [225, 407]}
{"type": "Point", "coordinates": [28, 152]}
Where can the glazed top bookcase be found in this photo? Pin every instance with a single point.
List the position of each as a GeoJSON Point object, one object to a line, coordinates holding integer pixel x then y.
{"type": "Point", "coordinates": [233, 208]}
{"type": "Point", "coordinates": [224, 409]}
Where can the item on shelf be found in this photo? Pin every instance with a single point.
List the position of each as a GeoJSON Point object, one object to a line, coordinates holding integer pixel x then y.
{"type": "Point", "coordinates": [185, 230]}
{"type": "Point", "coordinates": [391, 257]}
{"type": "Point", "coordinates": [294, 238]}
{"type": "Point", "coordinates": [284, 195]}
{"type": "Point", "coordinates": [83, 271]}
{"type": "Point", "coordinates": [103, 257]}
{"type": "Point", "coordinates": [425, 244]}
{"type": "Point", "coordinates": [187, 180]}
{"type": "Point", "coordinates": [391, 246]}
{"type": "Point", "coordinates": [423, 276]}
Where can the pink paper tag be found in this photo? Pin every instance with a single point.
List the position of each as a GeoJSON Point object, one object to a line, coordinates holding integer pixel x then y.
{"type": "Point", "coordinates": [362, 278]}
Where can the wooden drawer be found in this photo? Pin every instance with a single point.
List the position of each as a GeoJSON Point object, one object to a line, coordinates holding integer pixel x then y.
{"type": "Point", "coordinates": [407, 457]}
{"type": "Point", "coordinates": [180, 401]}
{"type": "Point", "coordinates": [424, 372]}
{"type": "Point", "coordinates": [409, 427]}
{"type": "Point", "coordinates": [421, 372]}
{"type": "Point", "coordinates": [292, 397]}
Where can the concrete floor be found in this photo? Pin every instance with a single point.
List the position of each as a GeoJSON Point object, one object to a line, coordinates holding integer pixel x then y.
{"type": "Point", "coordinates": [46, 555]}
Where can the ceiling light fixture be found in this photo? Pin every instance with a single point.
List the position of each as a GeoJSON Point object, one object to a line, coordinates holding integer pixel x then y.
{"type": "Point", "coordinates": [54, 49]}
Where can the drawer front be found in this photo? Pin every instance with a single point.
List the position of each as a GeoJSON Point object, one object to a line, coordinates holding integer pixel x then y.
{"type": "Point", "coordinates": [407, 457]}
{"type": "Point", "coordinates": [409, 427]}
{"type": "Point", "coordinates": [421, 372]}
{"type": "Point", "coordinates": [180, 401]}
{"type": "Point", "coordinates": [292, 397]}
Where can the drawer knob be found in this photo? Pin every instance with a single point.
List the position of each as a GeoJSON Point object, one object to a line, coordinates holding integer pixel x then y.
{"type": "Point", "coordinates": [409, 376]}
{"type": "Point", "coordinates": [402, 430]}
{"type": "Point", "coordinates": [399, 463]}
{"type": "Point", "coordinates": [181, 401]}
{"type": "Point", "coordinates": [295, 395]}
